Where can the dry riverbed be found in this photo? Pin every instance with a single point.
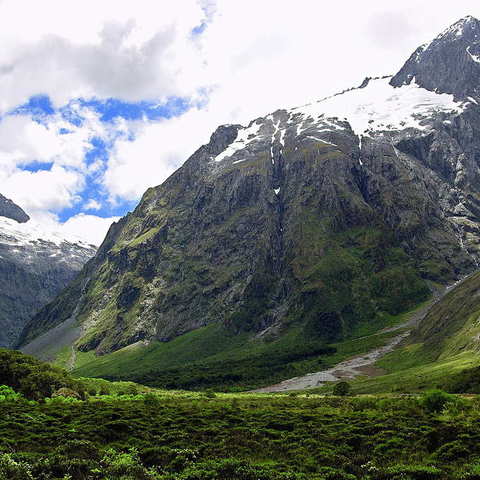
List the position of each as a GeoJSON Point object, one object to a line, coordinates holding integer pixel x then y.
{"type": "Point", "coordinates": [359, 365]}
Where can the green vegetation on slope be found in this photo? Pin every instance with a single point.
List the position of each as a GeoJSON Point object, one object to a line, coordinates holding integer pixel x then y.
{"type": "Point", "coordinates": [442, 352]}
{"type": "Point", "coordinates": [214, 357]}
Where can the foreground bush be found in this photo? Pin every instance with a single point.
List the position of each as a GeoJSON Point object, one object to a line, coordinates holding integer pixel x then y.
{"type": "Point", "coordinates": [171, 437]}
{"type": "Point", "coordinates": [32, 378]}
{"type": "Point", "coordinates": [434, 401]}
{"type": "Point", "coordinates": [14, 470]}
{"type": "Point", "coordinates": [8, 394]}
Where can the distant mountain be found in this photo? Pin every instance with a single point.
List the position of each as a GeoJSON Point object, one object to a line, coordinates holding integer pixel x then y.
{"type": "Point", "coordinates": [307, 224]}
{"type": "Point", "coordinates": [35, 265]}
{"type": "Point", "coordinates": [10, 210]}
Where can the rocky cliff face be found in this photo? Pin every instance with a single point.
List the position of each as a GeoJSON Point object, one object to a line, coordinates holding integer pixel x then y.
{"type": "Point", "coordinates": [10, 210]}
{"type": "Point", "coordinates": [317, 218]}
{"type": "Point", "coordinates": [448, 64]}
{"type": "Point", "coordinates": [35, 265]}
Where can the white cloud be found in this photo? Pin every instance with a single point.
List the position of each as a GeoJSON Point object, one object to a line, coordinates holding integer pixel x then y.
{"type": "Point", "coordinates": [159, 148]}
{"type": "Point", "coordinates": [113, 48]}
{"type": "Point", "coordinates": [58, 184]}
{"type": "Point", "coordinates": [92, 205]}
{"type": "Point", "coordinates": [44, 190]}
{"type": "Point", "coordinates": [89, 228]}
{"type": "Point", "coordinates": [24, 141]}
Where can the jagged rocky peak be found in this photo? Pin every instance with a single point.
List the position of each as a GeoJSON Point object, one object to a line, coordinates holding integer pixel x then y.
{"type": "Point", "coordinates": [448, 64]}
{"type": "Point", "coordinates": [9, 209]}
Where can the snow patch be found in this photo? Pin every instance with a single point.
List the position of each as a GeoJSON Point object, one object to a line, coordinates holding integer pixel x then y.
{"type": "Point", "coordinates": [321, 140]}
{"type": "Point", "coordinates": [240, 142]}
{"type": "Point", "coordinates": [18, 234]}
{"type": "Point", "coordinates": [475, 58]}
{"type": "Point", "coordinates": [282, 137]}
{"type": "Point", "coordinates": [381, 107]}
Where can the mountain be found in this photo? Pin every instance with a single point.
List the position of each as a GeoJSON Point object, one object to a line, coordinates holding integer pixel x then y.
{"type": "Point", "coordinates": [10, 210]}
{"type": "Point", "coordinates": [310, 224]}
{"type": "Point", "coordinates": [35, 265]}
{"type": "Point", "coordinates": [448, 64]}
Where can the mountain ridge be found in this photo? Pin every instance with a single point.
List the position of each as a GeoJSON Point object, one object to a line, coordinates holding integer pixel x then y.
{"type": "Point", "coordinates": [447, 64]}
{"type": "Point", "coordinates": [321, 218]}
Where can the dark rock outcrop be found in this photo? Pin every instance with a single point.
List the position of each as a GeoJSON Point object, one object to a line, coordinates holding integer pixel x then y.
{"type": "Point", "coordinates": [8, 209]}
{"type": "Point", "coordinates": [448, 64]}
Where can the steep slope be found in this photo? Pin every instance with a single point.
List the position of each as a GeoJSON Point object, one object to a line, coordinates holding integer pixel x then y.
{"type": "Point", "coordinates": [319, 219]}
{"type": "Point", "coordinates": [35, 265]}
{"type": "Point", "coordinates": [451, 327]}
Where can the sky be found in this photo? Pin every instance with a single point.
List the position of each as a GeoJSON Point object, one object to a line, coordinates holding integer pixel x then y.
{"type": "Point", "coordinates": [101, 100]}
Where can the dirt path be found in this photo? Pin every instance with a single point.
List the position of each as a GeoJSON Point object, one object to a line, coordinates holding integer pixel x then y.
{"type": "Point", "coordinates": [358, 365]}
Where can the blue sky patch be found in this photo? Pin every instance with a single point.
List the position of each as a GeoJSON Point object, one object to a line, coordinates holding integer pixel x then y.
{"type": "Point", "coordinates": [199, 29]}
{"type": "Point", "coordinates": [40, 108]}
{"type": "Point", "coordinates": [37, 106]}
{"type": "Point", "coordinates": [112, 108]}
{"type": "Point", "coordinates": [37, 166]}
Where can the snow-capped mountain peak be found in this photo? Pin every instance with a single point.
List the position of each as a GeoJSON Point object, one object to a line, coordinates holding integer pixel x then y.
{"type": "Point", "coordinates": [450, 63]}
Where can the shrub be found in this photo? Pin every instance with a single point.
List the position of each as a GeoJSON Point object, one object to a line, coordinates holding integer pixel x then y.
{"type": "Point", "coordinates": [210, 394]}
{"type": "Point", "coordinates": [32, 378]}
{"type": "Point", "coordinates": [453, 451]}
{"type": "Point", "coordinates": [472, 472]}
{"type": "Point", "coordinates": [413, 472]}
{"type": "Point", "coordinates": [8, 394]}
{"type": "Point", "coordinates": [13, 470]}
{"type": "Point", "coordinates": [123, 465]}
{"type": "Point", "coordinates": [67, 393]}
{"type": "Point", "coordinates": [434, 401]}
{"type": "Point", "coordinates": [151, 399]}
{"type": "Point", "coordinates": [341, 389]}
{"type": "Point", "coordinates": [131, 390]}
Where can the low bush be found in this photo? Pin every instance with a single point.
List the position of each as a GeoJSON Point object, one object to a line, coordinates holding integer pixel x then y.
{"type": "Point", "coordinates": [434, 401]}
{"type": "Point", "coordinates": [341, 389]}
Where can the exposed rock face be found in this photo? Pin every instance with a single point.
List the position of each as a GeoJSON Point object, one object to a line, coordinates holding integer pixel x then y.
{"type": "Point", "coordinates": [8, 209]}
{"type": "Point", "coordinates": [321, 216]}
{"type": "Point", "coordinates": [34, 267]}
{"type": "Point", "coordinates": [448, 64]}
